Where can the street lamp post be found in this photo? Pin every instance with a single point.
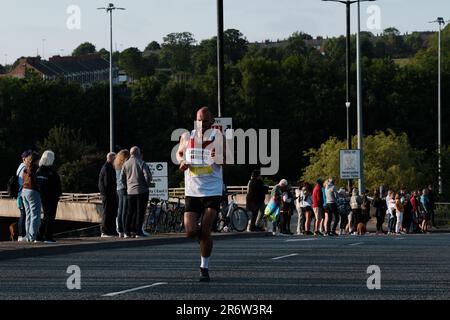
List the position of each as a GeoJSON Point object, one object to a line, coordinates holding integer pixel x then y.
{"type": "Point", "coordinates": [441, 22]}
{"type": "Point", "coordinates": [348, 4]}
{"type": "Point", "coordinates": [220, 59]}
{"type": "Point", "coordinates": [43, 49]}
{"type": "Point", "coordinates": [110, 10]}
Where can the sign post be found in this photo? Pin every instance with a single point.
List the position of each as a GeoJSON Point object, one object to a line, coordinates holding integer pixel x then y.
{"type": "Point", "coordinates": [350, 165]}
{"type": "Point", "coordinates": [224, 124]}
{"type": "Point", "coordinates": [159, 173]}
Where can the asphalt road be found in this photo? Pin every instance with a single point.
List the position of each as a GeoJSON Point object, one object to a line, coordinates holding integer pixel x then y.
{"type": "Point", "coordinates": [294, 267]}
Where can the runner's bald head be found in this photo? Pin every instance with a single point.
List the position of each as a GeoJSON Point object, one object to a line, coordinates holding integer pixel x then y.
{"type": "Point", "coordinates": [205, 116]}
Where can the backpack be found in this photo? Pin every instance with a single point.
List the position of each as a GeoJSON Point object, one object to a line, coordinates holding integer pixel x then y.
{"type": "Point", "coordinates": [13, 186]}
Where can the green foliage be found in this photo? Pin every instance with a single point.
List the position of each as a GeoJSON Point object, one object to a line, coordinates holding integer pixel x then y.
{"type": "Point", "coordinates": [389, 160]}
{"type": "Point", "coordinates": [76, 160]}
{"type": "Point", "coordinates": [284, 85]}
{"type": "Point", "coordinates": [84, 48]}
{"type": "Point", "coordinates": [153, 46]}
{"type": "Point", "coordinates": [177, 49]}
{"type": "Point", "coordinates": [132, 62]}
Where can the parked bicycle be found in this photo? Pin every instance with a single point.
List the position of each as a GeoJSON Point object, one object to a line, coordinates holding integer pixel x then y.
{"type": "Point", "coordinates": [232, 217]}
{"type": "Point", "coordinates": [175, 215]}
{"type": "Point", "coordinates": [156, 216]}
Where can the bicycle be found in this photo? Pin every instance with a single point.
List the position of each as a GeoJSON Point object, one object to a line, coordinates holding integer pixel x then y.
{"type": "Point", "coordinates": [156, 216]}
{"type": "Point", "coordinates": [232, 216]}
{"type": "Point", "coordinates": [175, 215]}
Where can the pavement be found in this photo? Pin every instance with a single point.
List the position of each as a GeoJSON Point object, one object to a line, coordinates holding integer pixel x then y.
{"type": "Point", "coordinates": [255, 266]}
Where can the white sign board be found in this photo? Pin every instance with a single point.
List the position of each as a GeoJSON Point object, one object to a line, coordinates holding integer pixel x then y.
{"type": "Point", "coordinates": [223, 124]}
{"type": "Point", "coordinates": [350, 164]}
{"type": "Point", "coordinates": [160, 180]}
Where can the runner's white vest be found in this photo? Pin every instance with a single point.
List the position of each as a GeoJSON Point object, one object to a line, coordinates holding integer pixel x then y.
{"type": "Point", "coordinates": [204, 177]}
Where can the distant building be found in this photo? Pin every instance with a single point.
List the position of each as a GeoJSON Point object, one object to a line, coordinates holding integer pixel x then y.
{"type": "Point", "coordinates": [84, 70]}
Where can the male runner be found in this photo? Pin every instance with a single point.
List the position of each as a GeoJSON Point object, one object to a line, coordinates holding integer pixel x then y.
{"type": "Point", "coordinates": [197, 154]}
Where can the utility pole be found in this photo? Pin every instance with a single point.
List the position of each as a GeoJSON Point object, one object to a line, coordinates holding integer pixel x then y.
{"type": "Point", "coordinates": [110, 10]}
{"type": "Point", "coordinates": [220, 59]}
{"type": "Point", "coordinates": [441, 22]}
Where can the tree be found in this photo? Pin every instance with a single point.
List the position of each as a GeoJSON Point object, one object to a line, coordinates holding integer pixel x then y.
{"type": "Point", "coordinates": [153, 46]}
{"type": "Point", "coordinates": [235, 45]}
{"type": "Point", "coordinates": [76, 160]}
{"type": "Point", "coordinates": [389, 160]}
{"type": "Point", "coordinates": [133, 64]}
{"type": "Point", "coordinates": [177, 50]}
{"type": "Point", "coordinates": [296, 44]}
{"type": "Point", "coordinates": [83, 49]}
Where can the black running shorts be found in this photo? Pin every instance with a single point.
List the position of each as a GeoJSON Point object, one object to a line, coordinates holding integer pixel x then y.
{"type": "Point", "coordinates": [199, 204]}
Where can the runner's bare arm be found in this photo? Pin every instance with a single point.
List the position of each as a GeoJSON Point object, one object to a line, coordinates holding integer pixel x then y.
{"type": "Point", "coordinates": [182, 150]}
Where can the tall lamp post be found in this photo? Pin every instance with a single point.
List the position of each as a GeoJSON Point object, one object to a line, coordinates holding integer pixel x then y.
{"type": "Point", "coordinates": [43, 48]}
{"type": "Point", "coordinates": [348, 4]}
{"type": "Point", "coordinates": [441, 22]}
{"type": "Point", "coordinates": [220, 59]}
{"type": "Point", "coordinates": [110, 10]}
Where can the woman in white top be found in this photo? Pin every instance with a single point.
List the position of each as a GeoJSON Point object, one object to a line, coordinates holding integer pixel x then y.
{"type": "Point", "coordinates": [303, 203]}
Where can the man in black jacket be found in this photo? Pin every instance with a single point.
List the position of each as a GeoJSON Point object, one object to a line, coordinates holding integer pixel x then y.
{"type": "Point", "coordinates": [49, 185]}
{"type": "Point", "coordinates": [107, 184]}
{"type": "Point", "coordinates": [256, 194]}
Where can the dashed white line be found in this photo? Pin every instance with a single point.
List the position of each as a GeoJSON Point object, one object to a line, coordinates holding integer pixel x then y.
{"type": "Point", "coordinates": [287, 256]}
{"type": "Point", "coordinates": [113, 294]}
{"type": "Point", "coordinates": [295, 240]}
{"type": "Point", "coordinates": [356, 244]}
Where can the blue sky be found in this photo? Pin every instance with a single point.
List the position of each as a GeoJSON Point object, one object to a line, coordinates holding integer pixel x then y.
{"type": "Point", "coordinates": [24, 23]}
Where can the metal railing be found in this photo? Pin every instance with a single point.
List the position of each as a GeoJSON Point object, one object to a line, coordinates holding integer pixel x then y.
{"type": "Point", "coordinates": [80, 197]}
{"type": "Point", "coordinates": [442, 213]}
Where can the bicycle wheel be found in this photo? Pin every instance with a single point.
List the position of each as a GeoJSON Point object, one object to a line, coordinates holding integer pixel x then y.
{"type": "Point", "coordinates": [163, 222]}
{"type": "Point", "coordinates": [179, 217]}
{"type": "Point", "coordinates": [220, 221]}
{"type": "Point", "coordinates": [239, 219]}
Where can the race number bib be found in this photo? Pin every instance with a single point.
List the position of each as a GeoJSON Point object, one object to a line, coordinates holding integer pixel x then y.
{"type": "Point", "coordinates": [200, 161]}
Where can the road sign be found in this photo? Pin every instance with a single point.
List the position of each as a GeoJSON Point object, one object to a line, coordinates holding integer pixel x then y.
{"type": "Point", "coordinates": [160, 179]}
{"type": "Point", "coordinates": [350, 164]}
{"type": "Point", "coordinates": [224, 124]}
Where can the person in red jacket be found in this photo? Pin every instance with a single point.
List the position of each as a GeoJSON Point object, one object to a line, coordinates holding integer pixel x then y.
{"type": "Point", "coordinates": [318, 206]}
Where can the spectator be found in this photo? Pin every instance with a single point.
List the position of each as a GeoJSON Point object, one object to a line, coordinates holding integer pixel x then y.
{"type": "Point", "coordinates": [390, 201]}
{"type": "Point", "coordinates": [277, 200]}
{"type": "Point", "coordinates": [31, 197]}
{"type": "Point", "coordinates": [317, 197]}
{"type": "Point", "coordinates": [331, 211]}
{"type": "Point", "coordinates": [355, 204]}
{"type": "Point", "coordinates": [304, 209]}
{"type": "Point", "coordinates": [414, 211]}
{"type": "Point", "coordinates": [256, 195]}
{"type": "Point", "coordinates": [122, 156]}
{"type": "Point", "coordinates": [407, 214]}
{"type": "Point", "coordinates": [365, 207]}
{"type": "Point", "coordinates": [21, 224]}
{"type": "Point", "coordinates": [343, 207]}
{"type": "Point", "coordinates": [432, 200]}
{"type": "Point", "coordinates": [108, 189]}
{"type": "Point", "coordinates": [426, 210]}
{"type": "Point", "coordinates": [49, 185]}
{"type": "Point", "coordinates": [380, 211]}
{"type": "Point", "coordinates": [399, 209]}
{"type": "Point", "coordinates": [286, 212]}
{"type": "Point", "coordinates": [137, 177]}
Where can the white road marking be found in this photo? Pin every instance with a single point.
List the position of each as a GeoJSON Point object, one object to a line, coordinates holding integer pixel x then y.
{"type": "Point", "coordinates": [356, 244]}
{"type": "Point", "coordinates": [295, 240]}
{"type": "Point", "coordinates": [287, 256]}
{"type": "Point", "coordinates": [134, 289]}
